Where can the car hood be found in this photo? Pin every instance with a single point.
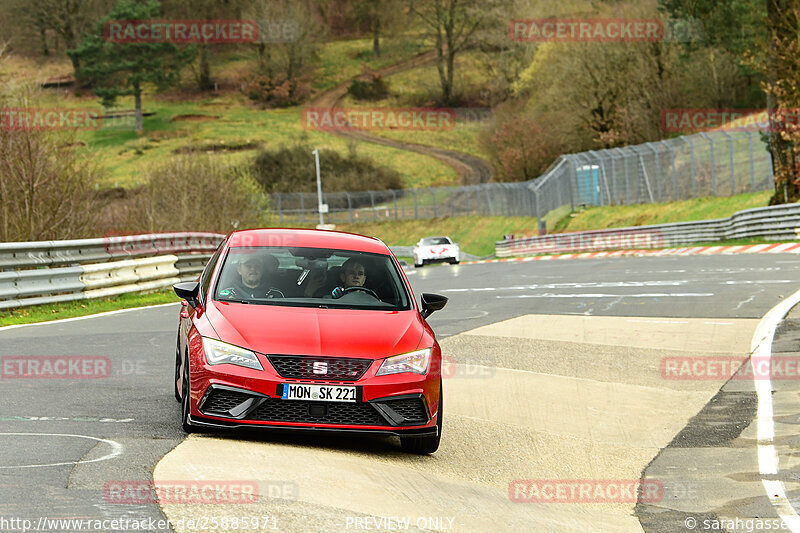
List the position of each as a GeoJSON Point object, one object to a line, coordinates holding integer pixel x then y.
{"type": "Point", "coordinates": [322, 332]}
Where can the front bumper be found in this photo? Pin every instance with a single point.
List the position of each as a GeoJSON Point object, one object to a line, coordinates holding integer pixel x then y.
{"type": "Point", "coordinates": [384, 404]}
{"type": "Point", "coordinates": [421, 257]}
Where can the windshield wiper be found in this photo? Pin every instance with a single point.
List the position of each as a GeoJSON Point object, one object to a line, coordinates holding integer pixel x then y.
{"type": "Point", "coordinates": [235, 301]}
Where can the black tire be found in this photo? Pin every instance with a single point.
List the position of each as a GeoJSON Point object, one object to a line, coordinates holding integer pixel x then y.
{"type": "Point", "coordinates": [177, 370]}
{"type": "Point", "coordinates": [185, 400]}
{"type": "Point", "coordinates": [453, 262]}
{"type": "Point", "coordinates": [425, 445]}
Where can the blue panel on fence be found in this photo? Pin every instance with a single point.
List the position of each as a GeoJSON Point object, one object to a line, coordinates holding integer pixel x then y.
{"type": "Point", "coordinates": [589, 184]}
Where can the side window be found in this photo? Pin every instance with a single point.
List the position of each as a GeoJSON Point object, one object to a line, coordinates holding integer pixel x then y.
{"type": "Point", "coordinates": [205, 279]}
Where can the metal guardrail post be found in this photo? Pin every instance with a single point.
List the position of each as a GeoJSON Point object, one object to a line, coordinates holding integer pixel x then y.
{"type": "Point", "coordinates": [433, 197]}
{"type": "Point", "coordinates": [372, 203]}
{"type": "Point", "coordinates": [280, 210]}
{"type": "Point", "coordinates": [394, 201]}
{"type": "Point", "coordinates": [349, 206]}
{"type": "Point", "coordinates": [416, 208]}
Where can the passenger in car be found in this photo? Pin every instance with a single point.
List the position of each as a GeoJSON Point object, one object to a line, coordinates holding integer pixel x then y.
{"type": "Point", "coordinates": [256, 278]}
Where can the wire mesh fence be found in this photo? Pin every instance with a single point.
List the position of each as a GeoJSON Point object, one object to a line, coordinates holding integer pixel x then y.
{"type": "Point", "coordinates": [719, 163]}
{"type": "Point", "coordinates": [508, 199]}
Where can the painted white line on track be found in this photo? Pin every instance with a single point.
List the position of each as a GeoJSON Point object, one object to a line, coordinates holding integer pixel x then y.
{"type": "Point", "coordinates": [116, 449]}
{"type": "Point", "coordinates": [96, 315]}
{"type": "Point", "coordinates": [761, 347]}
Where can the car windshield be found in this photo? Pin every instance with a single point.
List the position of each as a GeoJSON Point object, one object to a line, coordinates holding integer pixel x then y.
{"type": "Point", "coordinates": [433, 241]}
{"type": "Point", "coordinates": [311, 277]}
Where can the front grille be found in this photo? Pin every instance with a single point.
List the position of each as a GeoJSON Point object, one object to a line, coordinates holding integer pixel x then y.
{"type": "Point", "coordinates": [222, 400]}
{"type": "Point", "coordinates": [412, 409]}
{"type": "Point", "coordinates": [356, 414]}
{"type": "Point", "coordinates": [319, 368]}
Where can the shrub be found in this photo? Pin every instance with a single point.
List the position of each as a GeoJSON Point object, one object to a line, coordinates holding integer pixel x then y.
{"type": "Point", "coordinates": [47, 184]}
{"type": "Point", "coordinates": [273, 92]}
{"type": "Point", "coordinates": [293, 170]}
{"type": "Point", "coordinates": [196, 193]}
{"type": "Point", "coordinates": [375, 89]}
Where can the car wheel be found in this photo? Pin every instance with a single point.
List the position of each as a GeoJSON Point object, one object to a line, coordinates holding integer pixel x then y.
{"type": "Point", "coordinates": [425, 445]}
{"type": "Point", "coordinates": [185, 400]}
{"type": "Point", "coordinates": [177, 370]}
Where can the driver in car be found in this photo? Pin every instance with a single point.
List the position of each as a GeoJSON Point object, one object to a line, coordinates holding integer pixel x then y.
{"type": "Point", "coordinates": [254, 273]}
{"type": "Point", "coordinates": [354, 274]}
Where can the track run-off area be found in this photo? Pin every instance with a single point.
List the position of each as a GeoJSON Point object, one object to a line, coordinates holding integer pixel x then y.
{"type": "Point", "coordinates": [581, 395]}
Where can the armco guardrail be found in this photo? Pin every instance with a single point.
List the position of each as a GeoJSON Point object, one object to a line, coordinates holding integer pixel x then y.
{"type": "Point", "coordinates": [773, 223]}
{"type": "Point", "coordinates": [33, 273]}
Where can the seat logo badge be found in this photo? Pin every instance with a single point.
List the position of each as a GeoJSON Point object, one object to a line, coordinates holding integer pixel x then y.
{"type": "Point", "coordinates": [320, 367]}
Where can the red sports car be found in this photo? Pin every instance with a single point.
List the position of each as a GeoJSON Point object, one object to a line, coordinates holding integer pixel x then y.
{"type": "Point", "coordinates": [309, 330]}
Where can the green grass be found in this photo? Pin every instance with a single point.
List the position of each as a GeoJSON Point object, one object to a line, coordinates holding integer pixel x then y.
{"type": "Point", "coordinates": [231, 121]}
{"type": "Point", "coordinates": [46, 313]}
{"type": "Point", "coordinates": [421, 86]}
{"type": "Point", "coordinates": [475, 235]}
{"type": "Point", "coordinates": [664, 213]}
{"type": "Point", "coordinates": [232, 118]}
{"type": "Point", "coordinates": [340, 61]}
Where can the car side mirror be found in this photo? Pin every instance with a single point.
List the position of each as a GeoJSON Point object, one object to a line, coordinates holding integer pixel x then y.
{"type": "Point", "coordinates": [431, 303]}
{"type": "Point", "coordinates": [189, 291]}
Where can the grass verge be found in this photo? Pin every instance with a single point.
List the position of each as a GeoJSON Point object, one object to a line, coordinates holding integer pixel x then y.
{"type": "Point", "coordinates": [46, 313]}
{"type": "Point", "coordinates": [624, 216]}
{"type": "Point", "coordinates": [475, 235]}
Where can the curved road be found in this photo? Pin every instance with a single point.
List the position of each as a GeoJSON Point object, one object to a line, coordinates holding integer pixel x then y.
{"type": "Point", "coordinates": [471, 170]}
{"type": "Point", "coordinates": [558, 375]}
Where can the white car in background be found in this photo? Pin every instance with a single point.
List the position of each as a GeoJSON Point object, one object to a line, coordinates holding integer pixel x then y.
{"type": "Point", "coordinates": [436, 250]}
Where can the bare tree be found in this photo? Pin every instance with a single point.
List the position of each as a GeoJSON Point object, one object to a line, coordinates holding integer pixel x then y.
{"type": "Point", "coordinates": [46, 185]}
{"type": "Point", "coordinates": [453, 24]}
{"type": "Point", "coordinates": [70, 20]}
{"type": "Point", "coordinates": [379, 16]}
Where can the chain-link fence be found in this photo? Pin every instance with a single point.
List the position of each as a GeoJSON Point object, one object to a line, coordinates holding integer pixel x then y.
{"type": "Point", "coordinates": [706, 164]}
{"type": "Point", "coordinates": [509, 199]}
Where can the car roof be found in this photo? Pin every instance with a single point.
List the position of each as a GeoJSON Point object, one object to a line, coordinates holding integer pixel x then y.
{"type": "Point", "coordinates": [307, 238]}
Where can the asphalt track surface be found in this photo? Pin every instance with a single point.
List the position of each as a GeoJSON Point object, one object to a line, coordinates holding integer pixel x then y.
{"type": "Point", "coordinates": [64, 440]}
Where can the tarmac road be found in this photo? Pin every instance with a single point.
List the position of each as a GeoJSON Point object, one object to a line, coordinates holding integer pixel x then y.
{"type": "Point", "coordinates": [557, 377]}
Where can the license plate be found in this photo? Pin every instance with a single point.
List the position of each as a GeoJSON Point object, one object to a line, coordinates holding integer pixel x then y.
{"type": "Point", "coordinates": [319, 393]}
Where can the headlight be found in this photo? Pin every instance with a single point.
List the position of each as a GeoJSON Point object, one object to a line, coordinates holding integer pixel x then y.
{"type": "Point", "coordinates": [415, 362]}
{"type": "Point", "coordinates": [218, 353]}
